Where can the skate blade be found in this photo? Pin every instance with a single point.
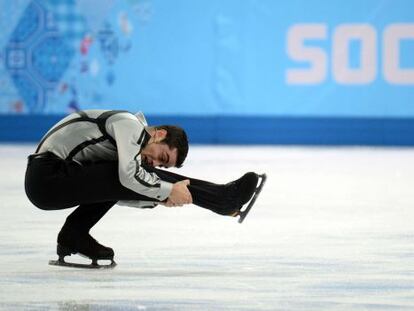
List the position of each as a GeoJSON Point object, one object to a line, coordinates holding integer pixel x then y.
{"type": "Point", "coordinates": [93, 265]}
{"type": "Point", "coordinates": [244, 213]}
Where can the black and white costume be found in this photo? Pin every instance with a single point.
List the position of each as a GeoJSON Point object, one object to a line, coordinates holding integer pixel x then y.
{"type": "Point", "coordinates": [91, 159]}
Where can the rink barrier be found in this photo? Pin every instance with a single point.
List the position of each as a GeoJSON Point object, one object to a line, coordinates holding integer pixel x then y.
{"type": "Point", "coordinates": [248, 129]}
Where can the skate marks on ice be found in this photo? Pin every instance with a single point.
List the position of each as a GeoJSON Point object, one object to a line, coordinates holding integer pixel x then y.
{"type": "Point", "coordinates": [352, 275]}
{"type": "Point", "coordinates": [332, 230]}
{"type": "Point", "coordinates": [109, 305]}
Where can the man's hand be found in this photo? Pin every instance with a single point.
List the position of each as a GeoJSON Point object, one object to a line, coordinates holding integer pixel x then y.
{"type": "Point", "coordinates": [180, 194]}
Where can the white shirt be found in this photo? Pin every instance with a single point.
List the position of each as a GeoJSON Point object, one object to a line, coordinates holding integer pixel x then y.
{"type": "Point", "coordinates": [82, 141]}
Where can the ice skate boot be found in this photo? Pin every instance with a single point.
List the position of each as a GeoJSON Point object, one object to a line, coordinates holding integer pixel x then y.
{"type": "Point", "coordinates": [243, 193]}
{"type": "Point", "coordinates": [85, 245]}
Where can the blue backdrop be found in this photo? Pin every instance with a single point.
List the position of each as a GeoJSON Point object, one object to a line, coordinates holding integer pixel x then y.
{"type": "Point", "coordinates": [234, 71]}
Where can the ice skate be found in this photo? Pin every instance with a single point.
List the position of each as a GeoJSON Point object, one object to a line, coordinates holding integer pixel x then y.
{"type": "Point", "coordinates": [246, 189]}
{"type": "Point", "coordinates": [86, 246]}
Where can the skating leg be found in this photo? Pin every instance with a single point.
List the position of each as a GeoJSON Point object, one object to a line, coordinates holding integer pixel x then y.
{"type": "Point", "coordinates": [72, 242]}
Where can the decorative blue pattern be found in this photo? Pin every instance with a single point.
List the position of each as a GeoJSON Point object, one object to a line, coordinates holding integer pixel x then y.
{"type": "Point", "coordinates": [67, 20]}
{"type": "Point", "coordinates": [16, 58]}
{"type": "Point", "coordinates": [29, 23]}
{"type": "Point", "coordinates": [51, 57]}
{"type": "Point", "coordinates": [38, 52]}
{"type": "Point", "coordinates": [29, 90]}
{"type": "Point", "coordinates": [108, 43]}
{"type": "Point", "coordinates": [328, 59]}
{"type": "Point", "coordinates": [54, 51]}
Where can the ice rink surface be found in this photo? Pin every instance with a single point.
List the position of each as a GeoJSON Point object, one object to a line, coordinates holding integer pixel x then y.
{"type": "Point", "coordinates": [332, 230]}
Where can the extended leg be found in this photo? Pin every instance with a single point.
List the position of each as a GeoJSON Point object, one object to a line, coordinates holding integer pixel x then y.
{"type": "Point", "coordinates": [59, 184]}
{"type": "Point", "coordinates": [223, 199]}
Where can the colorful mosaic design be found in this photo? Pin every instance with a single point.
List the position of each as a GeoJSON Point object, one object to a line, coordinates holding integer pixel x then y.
{"type": "Point", "coordinates": [48, 55]}
{"type": "Point", "coordinates": [38, 52]}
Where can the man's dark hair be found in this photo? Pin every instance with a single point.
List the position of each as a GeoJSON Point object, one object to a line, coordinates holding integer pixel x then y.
{"type": "Point", "coordinates": [176, 138]}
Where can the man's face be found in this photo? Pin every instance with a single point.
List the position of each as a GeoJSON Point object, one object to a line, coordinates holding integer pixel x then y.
{"type": "Point", "coordinates": [159, 154]}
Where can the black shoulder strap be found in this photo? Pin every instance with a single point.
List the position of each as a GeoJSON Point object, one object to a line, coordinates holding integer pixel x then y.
{"type": "Point", "coordinates": [99, 121]}
{"type": "Point", "coordinates": [83, 117]}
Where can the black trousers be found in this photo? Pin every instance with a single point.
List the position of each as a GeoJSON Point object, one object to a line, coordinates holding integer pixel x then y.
{"type": "Point", "coordinates": [52, 183]}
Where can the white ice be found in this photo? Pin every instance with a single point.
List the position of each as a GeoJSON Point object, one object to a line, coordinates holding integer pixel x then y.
{"type": "Point", "coordinates": [332, 230]}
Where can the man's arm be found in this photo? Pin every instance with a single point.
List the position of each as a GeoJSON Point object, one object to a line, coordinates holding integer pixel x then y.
{"type": "Point", "coordinates": [127, 133]}
{"type": "Point", "coordinates": [180, 194]}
